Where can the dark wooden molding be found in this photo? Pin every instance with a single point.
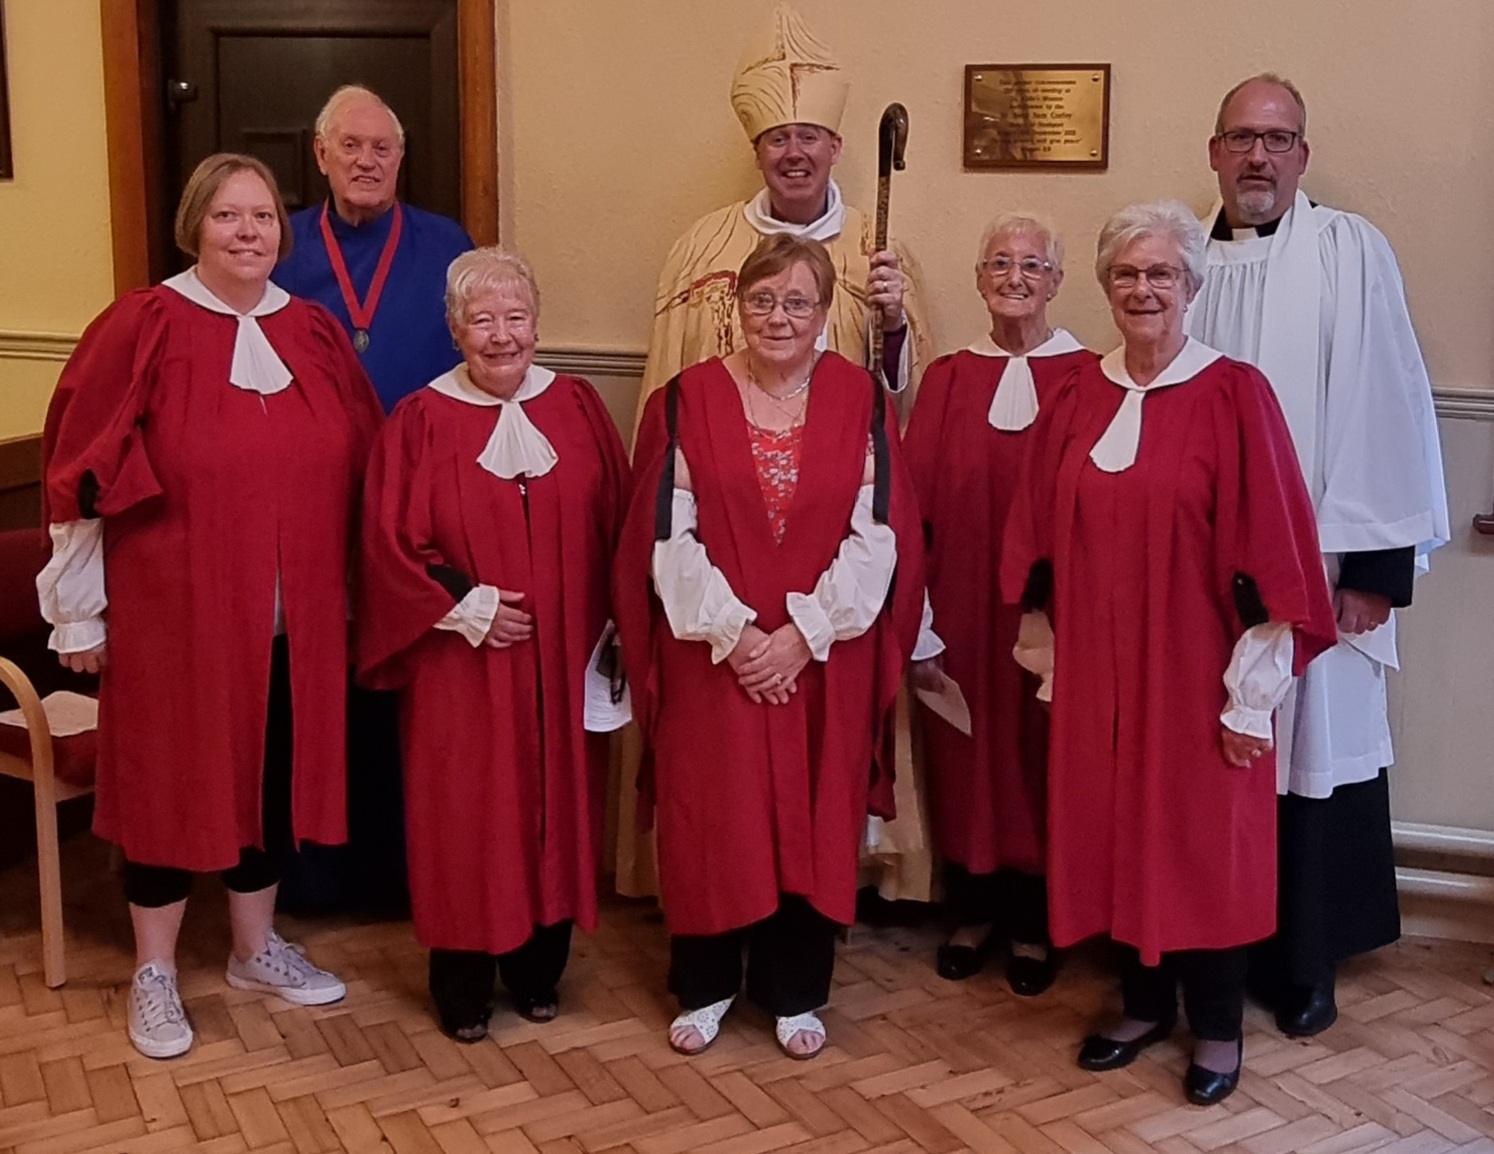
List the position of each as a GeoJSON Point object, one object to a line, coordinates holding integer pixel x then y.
{"type": "Point", "coordinates": [129, 56]}
{"type": "Point", "coordinates": [477, 77]}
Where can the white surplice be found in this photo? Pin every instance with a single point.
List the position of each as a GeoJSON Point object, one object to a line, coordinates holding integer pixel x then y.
{"type": "Point", "coordinates": [1320, 308]}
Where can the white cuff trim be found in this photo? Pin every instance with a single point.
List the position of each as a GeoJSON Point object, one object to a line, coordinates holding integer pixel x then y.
{"type": "Point", "coordinates": [473, 615]}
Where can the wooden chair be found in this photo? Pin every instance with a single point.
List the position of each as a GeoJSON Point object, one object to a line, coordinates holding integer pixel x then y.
{"type": "Point", "coordinates": [58, 769]}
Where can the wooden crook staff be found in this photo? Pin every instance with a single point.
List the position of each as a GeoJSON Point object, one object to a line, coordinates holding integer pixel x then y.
{"type": "Point", "coordinates": [892, 140]}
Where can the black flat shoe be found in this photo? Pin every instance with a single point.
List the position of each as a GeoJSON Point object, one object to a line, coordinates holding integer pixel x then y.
{"type": "Point", "coordinates": [1029, 977]}
{"type": "Point", "coordinates": [1205, 1087]}
{"type": "Point", "coordinates": [1100, 1053]}
{"type": "Point", "coordinates": [544, 1008]}
{"type": "Point", "coordinates": [956, 963]}
{"type": "Point", "coordinates": [1307, 1010]}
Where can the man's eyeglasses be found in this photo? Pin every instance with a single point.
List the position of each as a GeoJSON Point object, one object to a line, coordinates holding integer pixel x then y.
{"type": "Point", "coordinates": [1243, 140]}
{"type": "Point", "coordinates": [762, 304]}
{"type": "Point", "coordinates": [1159, 276]}
{"type": "Point", "coordinates": [1029, 266]}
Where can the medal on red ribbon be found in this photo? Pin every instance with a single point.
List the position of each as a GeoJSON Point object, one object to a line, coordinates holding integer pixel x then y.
{"type": "Point", "coordinates": [361, 314]}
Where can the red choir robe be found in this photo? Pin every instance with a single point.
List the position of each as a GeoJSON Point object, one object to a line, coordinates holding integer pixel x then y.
{"type": "Point", "coordinates": [504, 789]}
{"type": "Point", "coordinates": [987, 790]}
{"type": "Point", "coordinates": [754, 801]}
{"type": "Point", "coordinates": [204, 490]}
{"type": "Point", "coordinates": [1153, 837]}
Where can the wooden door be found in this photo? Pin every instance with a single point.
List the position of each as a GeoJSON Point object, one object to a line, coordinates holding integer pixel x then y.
{"type": "Point", "coordinates": [251, 75]}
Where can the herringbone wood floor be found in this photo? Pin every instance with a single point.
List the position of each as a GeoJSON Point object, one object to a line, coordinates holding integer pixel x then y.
{"type": "Point", "coordinates": [915, 1064]}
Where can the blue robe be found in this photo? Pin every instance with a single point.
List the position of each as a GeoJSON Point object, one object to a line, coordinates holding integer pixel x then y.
{"type": "Point", "coordinates": [409, 343]}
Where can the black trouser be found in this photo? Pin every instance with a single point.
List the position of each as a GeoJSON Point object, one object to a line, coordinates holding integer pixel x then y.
{"type": "Point", "coordinates": [790, 957]}
{"type": "Point", "coordinates": [1015, 902]}
{"type": "Point", "coordinates": [152, 887]}
{"type": "Point", "coordinates": [1213, 990]}
{"type": "Point", "coordinates": [461, 981]}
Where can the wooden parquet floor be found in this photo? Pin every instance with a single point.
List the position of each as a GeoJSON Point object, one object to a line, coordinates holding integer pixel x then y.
{"type": "Point", "coordinates": [916, 1065]}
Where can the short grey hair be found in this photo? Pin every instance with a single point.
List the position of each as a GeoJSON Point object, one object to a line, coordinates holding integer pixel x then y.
{"type": "Point", "coordinates": [486, 268]}
{"type": "Point", "coordinates": [351, 94]}
{"type": "Point", "coordinates": [1170, 219]}
{"type": "Point", "coordinates": [1265, 78]}
{"type": "Point", "coordinates": [1023, 222]}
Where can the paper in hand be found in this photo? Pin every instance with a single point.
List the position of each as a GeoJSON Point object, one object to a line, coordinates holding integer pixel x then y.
{"type": "Point", "coordinates": [947, 702]}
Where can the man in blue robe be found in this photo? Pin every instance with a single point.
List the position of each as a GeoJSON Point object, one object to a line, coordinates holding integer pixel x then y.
{"type": "Point", "coordinates": [380, 266]}
{"type": "Point", "coordinates": [364, 227]}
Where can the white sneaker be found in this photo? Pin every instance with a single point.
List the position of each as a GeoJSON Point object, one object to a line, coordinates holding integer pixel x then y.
{"type": "Point", "coordinates": [158, 1023]}
{"type": "Point", "coordinates": [282, 969]}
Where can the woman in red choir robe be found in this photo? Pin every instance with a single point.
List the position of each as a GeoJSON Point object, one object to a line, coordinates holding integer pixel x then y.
{"type": "Point", "coordinates": [768, 592]}
{"type": "Point", "coordinates": [964, 446]}
{"type": "Point", "coordinates": [491, 513]}
{"type": "Point", "coordinates": [203, 455]}
{"type": "Point", "coordinates": [1164, 526]}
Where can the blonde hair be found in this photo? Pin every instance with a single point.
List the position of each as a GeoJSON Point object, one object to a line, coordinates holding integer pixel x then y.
{"type": "Point", "coordinates": [206, 179]}
{"type": "Point", "coordinates": [486, 268]}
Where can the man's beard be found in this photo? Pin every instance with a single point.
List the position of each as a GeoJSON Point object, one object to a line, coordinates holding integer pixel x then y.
{"type": "Point", "coordinates": [1257, 205]}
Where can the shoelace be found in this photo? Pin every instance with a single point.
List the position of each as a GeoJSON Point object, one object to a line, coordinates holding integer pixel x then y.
{"type": "Point", "coordinates": [289, 959]}
{"type": "Point", "coordinates": [160, 1005]}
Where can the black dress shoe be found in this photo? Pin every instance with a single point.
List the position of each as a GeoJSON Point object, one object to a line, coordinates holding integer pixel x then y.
{"type": "Point", "coordinates": [1204, 1087]}
{"type": "Point", "coordinates": [956, 963]}
{"type": "Point", "coordinates": [1307, 1010]}
{"type": "Point", "coordinates": [1029, 977]}
{"type": "Point", "coordinates": [1100, 1053]}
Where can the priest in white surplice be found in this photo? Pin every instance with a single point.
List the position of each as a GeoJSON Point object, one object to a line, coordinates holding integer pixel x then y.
{"type": "Point", "coordinates": [1313, 297]}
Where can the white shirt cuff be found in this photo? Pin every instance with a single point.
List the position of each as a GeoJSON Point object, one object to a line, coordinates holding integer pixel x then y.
{"type": "Point", "coordinates": [78, 636]}
{"type": "Point", "coordinates": [1257, 679]}
{"type": "Point", "coordinates": [70, 588]}
{"type": "Point", "coordinates": [473, 615]}
{"type": "Point", "coordinates": [929, 644]}
{"type": "Point", "coordinates": [811, 620]}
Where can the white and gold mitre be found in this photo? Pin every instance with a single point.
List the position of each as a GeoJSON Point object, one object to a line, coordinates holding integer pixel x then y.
{"type": "Point", "coordinates": [788, 77]}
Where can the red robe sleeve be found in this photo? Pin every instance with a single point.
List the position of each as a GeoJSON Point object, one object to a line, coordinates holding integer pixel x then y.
{"type": "Point", "coordinates": [614, 458]}
{"type": "Point", "coordinates": [1265, 527]}
{"type": "Point", "coordinates": [399, 600]}
{"type": "Point", "coordinates": [93, 422]}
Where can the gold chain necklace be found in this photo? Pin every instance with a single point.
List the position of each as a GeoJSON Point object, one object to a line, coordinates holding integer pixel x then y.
{"type": "Point", "coordinates": [796, 415]}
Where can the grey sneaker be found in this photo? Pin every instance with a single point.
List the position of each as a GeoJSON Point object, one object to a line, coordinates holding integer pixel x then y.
{"type": "Point", "coordinates": [282, 969]}
{"type": "Point", "coordinates": [158, 1023]}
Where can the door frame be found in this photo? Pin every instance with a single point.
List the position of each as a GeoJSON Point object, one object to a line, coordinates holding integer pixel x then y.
{"type": "Point", "coordinates": [132, 87]}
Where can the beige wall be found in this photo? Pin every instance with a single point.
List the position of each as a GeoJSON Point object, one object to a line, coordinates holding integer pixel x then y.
{"type": "Point", "coordinates": [617, 133]}
{"type": "Point", "coordinates": [56, 271]}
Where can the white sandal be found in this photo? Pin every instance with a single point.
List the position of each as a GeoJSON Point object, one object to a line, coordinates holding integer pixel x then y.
{"type": "Point", "coordinates": [786, 1028]}
{"type": "Point", "coordinates": [705, 1021]}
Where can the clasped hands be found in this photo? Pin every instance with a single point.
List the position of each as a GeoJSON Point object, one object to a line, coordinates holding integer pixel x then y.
{"type": "Point", "coordinates": [511, 624]}
{"type": "Point", "coordinates": [767, 664]}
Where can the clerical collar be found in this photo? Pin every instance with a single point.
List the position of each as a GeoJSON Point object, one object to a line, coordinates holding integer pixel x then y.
{"type": "Point", "coordinates": [374, 229]}
{"type": "Point", "coordinates": [1222, 230]}
{"type": "Point", "coordinates": [759, 214]}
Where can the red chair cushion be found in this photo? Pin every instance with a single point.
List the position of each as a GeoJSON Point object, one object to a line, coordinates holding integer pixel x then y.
{"type": "Point", "coordinates": [72, 757]}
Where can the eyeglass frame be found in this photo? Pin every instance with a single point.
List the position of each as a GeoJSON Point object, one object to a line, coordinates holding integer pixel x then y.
{"type": "Point", "coordinates": [1223, 138]}
{"type": "Point", "coordinates": [1043, 267]}
{"type": "Point", "coordinates": [745, 299]}
{"type": "Point", "coordinates": [1180, 276]}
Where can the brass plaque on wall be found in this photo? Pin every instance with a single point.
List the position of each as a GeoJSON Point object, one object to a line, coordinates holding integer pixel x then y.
{"type": "Point", "coordinates": [1037, 116]}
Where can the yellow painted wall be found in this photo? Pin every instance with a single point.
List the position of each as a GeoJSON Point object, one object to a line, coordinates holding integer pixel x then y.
{"type": "Point", "coordinates": [617, 133]}
{"type": "Point", "coordinates": [56, 271]}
